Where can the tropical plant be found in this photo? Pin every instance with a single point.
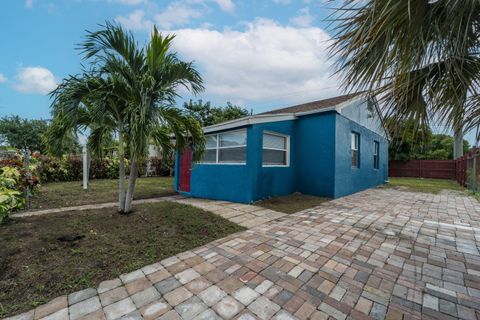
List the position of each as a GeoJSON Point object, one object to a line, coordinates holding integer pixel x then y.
{"type": "Point", "coordinates": [11, 198]}
{"type": "Point", "coordinates": [420, 57]}
{"type": "Point", "coordinates": [130, 91]}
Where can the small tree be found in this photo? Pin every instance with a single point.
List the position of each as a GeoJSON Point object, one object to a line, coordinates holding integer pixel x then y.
{"type": "Point", "coordinates": [130, 90]}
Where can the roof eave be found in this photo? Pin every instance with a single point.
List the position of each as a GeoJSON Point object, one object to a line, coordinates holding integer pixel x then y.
{"type": "Point", "coordinates": [242, 122]}
{"type": "Point", "coordinates": [264, 118]}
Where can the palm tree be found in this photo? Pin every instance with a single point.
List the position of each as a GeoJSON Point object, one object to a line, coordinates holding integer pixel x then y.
{"type": "Point", "coordinates": [141, 84]}
{"type": "Point", "coordinates": [421, 57]}
{"type": "Point", "coordinates": [88, 103]}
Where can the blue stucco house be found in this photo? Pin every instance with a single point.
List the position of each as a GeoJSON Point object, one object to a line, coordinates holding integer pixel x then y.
{"type": "Point", "coordinates": [329, 148]}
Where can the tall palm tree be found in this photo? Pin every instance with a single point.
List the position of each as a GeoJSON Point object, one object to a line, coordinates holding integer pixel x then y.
{"type": "Point", "coordinates": [421, 57]}
{"type": "Point", "coordinates": [144, 82]}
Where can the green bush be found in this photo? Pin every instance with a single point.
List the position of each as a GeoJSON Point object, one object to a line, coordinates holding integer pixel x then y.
{"type": "Point", "coordinates": [162, 167]}
{"type": "Point", "coordinates": [70, 168]}
{"type": "Point", "coordinates": [12, 184]}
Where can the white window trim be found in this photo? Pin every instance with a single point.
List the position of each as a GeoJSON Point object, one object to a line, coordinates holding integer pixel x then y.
{"type": "Point", "coordinates": [218, 148]}
{"type": "Point", "coordinates": [357, 135]}
{"type": "Point", "coordinates": [277, 149]}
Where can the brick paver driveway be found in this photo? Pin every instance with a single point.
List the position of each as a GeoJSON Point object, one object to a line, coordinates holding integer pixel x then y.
{"type": "Point", "coordinates": [379, 254]}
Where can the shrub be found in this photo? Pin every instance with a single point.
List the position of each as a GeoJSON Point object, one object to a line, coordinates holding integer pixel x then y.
{"type": "Point", "coordinates": [70, 168]}
{"type": "Point", "coordinates": [10, 200]}
{"type": "Point", "coordinates": [74, 166]}
{"type": "Point", "coordinates": [162, 167]}
{"type": "Point", "coordinates": [52, 169]}
{"type": "Point", "coordinates": [13, 182]}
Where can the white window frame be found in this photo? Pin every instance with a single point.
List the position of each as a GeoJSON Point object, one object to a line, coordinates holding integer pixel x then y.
{"type": "Point", "coordinates": [287, 150]}
{"type": "Point", "coordinates": [357, 140]}
{"type": "Point", "coordinates": [218, 148]}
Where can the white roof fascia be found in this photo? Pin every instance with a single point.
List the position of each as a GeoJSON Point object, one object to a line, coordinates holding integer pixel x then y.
{"type": "Point", "coordinates": [261, 118]}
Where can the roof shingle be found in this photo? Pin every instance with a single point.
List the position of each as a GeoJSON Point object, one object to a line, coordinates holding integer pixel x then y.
{"type": "Point", "coordinates": [315, 105]}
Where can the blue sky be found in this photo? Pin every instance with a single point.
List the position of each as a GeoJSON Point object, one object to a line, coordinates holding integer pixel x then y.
{"type": "Point", "coordinates": [259, 54]}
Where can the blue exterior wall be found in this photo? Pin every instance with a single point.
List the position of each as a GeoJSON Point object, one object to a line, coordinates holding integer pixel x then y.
{"type": "Point", "coordinates": [272, 181]}
{"type": "Point", "coordinates": [315, 152]}
{"type": "Point", "coordinates": [320, 163]}
{"type": "Point", "coordinates": [349, 180]}
{"type": "Point", "coordinates": [231, 182]}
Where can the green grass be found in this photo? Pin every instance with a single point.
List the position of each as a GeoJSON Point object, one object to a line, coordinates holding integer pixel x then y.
{"type": "Point", "coordinates": [292, 203]}
{"type": "Point", "coordinates": [37, 264]}
{"type": "Point", "coordinates": [67, 194]}
{"type": "Point", "coordinates": [424, 185]}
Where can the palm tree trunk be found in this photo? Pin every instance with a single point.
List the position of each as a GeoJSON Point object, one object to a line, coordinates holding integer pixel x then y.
{"type": "Point", "coordinates": [131, 186]}
{"type": "Point", "coordinates": [458, 142]}
{"type": "Point", "coordinates": [121, 174]}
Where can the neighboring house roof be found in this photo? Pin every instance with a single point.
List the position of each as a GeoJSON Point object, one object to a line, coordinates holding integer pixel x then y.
{"type": "Point", "coordinates": [288, 113]}
{"type": "Point", "coordinates": [315, 105]}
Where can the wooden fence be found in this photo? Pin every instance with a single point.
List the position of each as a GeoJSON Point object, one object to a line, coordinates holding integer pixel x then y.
{"type": "Point", "coordinates": [468, 173]}
{"type": "Point", "coordinates": [465, 170]}
{"type": "Point", "coordinates": [437, 169]}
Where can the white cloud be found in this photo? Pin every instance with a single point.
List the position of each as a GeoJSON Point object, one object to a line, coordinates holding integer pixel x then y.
{"type": "Point", "coordinates": [129, 2]}
{"type": "Point", "coordinates": [2, 78]}
{"type": "Point", "coordinates": [29, 4]}
{"type": "Point", "coordinates": [226, 5]}
{"type": "Point", "coordinates": [176, 14]}
{"type": "Point", "coordinates": [135, 21]}
{"type": "Point", "coordinates": [303, 19]}
{"type": "Point", "coordinates": [264, 61]}
{"type": "Point", "coordinates": [35, 80]}
{"type": "Point", "coordinates": [282, 1]}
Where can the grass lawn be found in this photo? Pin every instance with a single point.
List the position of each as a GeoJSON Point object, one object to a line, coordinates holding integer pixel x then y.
{"type": "Point", "coordinates": [66, 194]}
{"type": "Point", "coordinates": [292, 203]}
{"type": "Point", "coordinates": [38, 262]}
{"type": "Point", "coordinates": [423, 185]}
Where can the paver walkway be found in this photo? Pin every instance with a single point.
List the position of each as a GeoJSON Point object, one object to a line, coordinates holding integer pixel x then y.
{"type": "Point", "coordinates": [376, 254]}
{"type": "Point", "coordinates": [245, 215]}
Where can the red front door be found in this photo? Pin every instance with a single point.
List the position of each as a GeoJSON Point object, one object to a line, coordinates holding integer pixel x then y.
{"type": "Point", "coordinates": [185, 170]}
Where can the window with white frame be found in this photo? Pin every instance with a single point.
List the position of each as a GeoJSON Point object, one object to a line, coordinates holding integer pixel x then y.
{"type": "Point", "coordinates": [227, 147]}
{"type": "Point", "coordinates": [376, 148]}
{"type": "Point", "coordinates": [275, 149]}
{"type": "Point", "coordinates": [355, 150]}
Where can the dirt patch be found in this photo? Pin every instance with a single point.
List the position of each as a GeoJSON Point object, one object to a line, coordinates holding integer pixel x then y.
{"type": "Point", "coordinates": [48, 256]}
{"type": "Point", "coordinates": [291, 203]}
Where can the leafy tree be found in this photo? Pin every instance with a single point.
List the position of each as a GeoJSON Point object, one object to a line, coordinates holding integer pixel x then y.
{"type": "Point", "coordinates": [208, 115]}
{"type": "Point", "coordinates": [440, 147]}
{"type": "Point", "coordinates": [407, 143]}
{"type": "Point", "coordinates": [420, 57]}
{"type": "Point", "coordinates": [25, 134]}
{"type": "Point", "coordinates": [131, 91]}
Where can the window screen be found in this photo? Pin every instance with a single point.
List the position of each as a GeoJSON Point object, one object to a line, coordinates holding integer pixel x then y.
{"type": "Point", "coordinates": [275, 150]}
{"type": "Point", "coordinates": [355, 150]}
{"type": "Point", "coordinates": [227, 147]}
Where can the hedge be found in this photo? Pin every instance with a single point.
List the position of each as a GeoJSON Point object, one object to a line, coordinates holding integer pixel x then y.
{"type": "Point", "coordinates": [70, 168]}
